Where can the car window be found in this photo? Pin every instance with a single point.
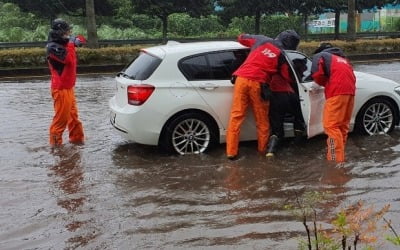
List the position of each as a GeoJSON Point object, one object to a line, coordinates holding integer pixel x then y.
{"type": "Point", "coordinates": [223, 64]}
{"type": "Point", "coordinates": [213, 66]}
{"type": "Point", "coordinates": [296, 57]}
{"type": "Point", "coordinates": [195, 68]}
{"type": "Point", "coordinates": [142, 66]}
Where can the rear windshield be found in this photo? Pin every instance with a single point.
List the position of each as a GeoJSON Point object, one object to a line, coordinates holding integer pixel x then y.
{"type": "Point", "coordinates": [141, 67]}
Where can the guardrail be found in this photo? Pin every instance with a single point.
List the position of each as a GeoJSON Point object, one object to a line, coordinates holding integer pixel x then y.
{"type": "Point", "coordinates": [105, 43]}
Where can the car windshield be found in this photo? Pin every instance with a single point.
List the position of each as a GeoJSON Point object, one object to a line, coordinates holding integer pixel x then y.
{"type": "Point", "coordinates": [141, 67]}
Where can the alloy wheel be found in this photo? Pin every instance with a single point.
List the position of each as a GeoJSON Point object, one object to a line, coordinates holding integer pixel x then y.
{"type": "Point", "coordinates": [378, 118]}
{"type": "Point", "coordinates": [191, 136]}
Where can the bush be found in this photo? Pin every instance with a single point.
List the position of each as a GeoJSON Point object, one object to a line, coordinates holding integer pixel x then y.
{"type": "Point", "coordinates": [358, 47]}
{"type": "Point", "coordinates": [269, 25]}
{"type": "Point", "coordinates": [183, 25]}
{"type": "Point", "coordinates": [16, 25]}
{"type": "Point", "coordinates": [273, 25]}
{"type": "Point", "coordinates": [36, 57]}
{"type": "Point", "coordinates": [108, 32]}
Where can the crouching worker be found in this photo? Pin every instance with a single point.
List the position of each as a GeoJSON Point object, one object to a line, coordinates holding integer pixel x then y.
{"type": "Point", "coordinates": [285, 100]}
{"type": "Point", "coordinates": [62, 61]}
{"type": "Point", "coordinates": [262, 62]}
{"type": "Point", "coordinates": [332, 70]}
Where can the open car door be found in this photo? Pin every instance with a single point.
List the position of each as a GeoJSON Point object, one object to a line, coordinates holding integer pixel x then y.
{"type": "Point", "coordinates": [312, 97]}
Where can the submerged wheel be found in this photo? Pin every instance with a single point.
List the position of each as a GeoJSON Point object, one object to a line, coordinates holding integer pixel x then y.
{"type": "Point", "coordinates": [189, 133]}
{"type": "Point", "coordinates": [377, 116]}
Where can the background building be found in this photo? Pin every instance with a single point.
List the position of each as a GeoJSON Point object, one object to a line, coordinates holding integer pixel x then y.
{"type": "Point", "coordinates": [385, 19]}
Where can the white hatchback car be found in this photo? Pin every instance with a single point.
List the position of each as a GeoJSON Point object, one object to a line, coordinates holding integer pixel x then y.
{"type": "Point", "coordinates": [178, 96]}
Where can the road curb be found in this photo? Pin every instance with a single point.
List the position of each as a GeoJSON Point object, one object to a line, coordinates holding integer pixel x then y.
{"type": "Point", "coordinates": [44, 71]}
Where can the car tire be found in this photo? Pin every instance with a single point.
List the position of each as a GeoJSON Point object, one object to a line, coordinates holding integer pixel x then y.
{"type": "Point", "coordinates": [377, 116]}
{"type": "Point", "coordinates": [189, 133]}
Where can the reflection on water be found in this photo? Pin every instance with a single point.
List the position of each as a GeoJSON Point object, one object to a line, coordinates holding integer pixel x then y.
{"type": "Point", "coordinates": [69, 178]}
{"type": "Point", "coordinates": [110, 194]}
{"type": "Point", "coordinates": [222, 203]}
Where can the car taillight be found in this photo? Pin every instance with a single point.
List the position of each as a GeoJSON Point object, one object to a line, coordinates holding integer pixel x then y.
{"type": "Point", "coordinates": [139, 93]}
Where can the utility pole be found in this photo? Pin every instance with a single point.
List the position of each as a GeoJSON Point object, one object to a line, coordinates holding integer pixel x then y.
{"type": "Point", "coordinates": [351, 20]}
{"type": "Point", "coordinates": [93, 41]}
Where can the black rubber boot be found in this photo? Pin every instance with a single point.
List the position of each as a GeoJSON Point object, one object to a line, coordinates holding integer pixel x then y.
{"type": "Point", "coordinates": [272, 145]}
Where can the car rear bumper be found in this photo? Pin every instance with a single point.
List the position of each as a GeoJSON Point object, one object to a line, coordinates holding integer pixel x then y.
{"type": "Point", "coordinates": [133, 124]}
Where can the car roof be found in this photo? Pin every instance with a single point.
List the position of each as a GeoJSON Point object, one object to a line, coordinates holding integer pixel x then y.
{"type": "Point", "coordinates": [173, 47]}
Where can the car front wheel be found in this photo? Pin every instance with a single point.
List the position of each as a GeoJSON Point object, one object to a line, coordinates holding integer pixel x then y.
{"type": "Point", "coordinates": [377, 116]}
{"type": "Point", "coordinates": [189, 133]}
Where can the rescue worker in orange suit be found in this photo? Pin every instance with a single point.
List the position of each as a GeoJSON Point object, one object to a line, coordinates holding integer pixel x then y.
{"type": "Point", "coordinates": [62, 61]}
{"type": "Point", "coordinates": [332, 70]}
{"type": "Point", "coordinates": [262, 62]}
{"type": "Point", "coordinates": [285, 100]}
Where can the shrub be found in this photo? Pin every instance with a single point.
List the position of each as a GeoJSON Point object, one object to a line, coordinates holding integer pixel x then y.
{"type": "Point", "coordinates": [36, 57]}
{"type": "Point", "coordinates": [358, 47]}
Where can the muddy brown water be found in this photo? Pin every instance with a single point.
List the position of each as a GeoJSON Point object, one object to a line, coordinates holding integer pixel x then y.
{"type": "Point", "coordinates": [111, 194]}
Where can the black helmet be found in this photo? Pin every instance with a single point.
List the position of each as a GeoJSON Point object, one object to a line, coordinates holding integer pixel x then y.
{"type": "Point", "coordinates": [60, 25]}
{"type": "Point", "coordinates": [323, 46]}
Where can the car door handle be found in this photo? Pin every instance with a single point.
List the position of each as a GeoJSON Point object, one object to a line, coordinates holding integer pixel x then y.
{"type": "Point", "coordinates": [208, 86]}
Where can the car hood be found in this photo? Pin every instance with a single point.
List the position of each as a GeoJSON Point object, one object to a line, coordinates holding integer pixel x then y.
{"type": "Point", "coordinates": [366, 80]}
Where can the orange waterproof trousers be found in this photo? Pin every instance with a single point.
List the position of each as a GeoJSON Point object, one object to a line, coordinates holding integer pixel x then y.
{"type": "Point", "coordinates": [336, 120]}
{"type": "Point", "coordinates": [66, 114]}
{"type": "Point", "coordinates": [247, 92]}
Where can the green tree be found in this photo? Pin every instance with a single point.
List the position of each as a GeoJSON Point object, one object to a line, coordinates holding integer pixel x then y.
{"type": "Point", "coordinates": [163, 8]}
{"type": "Point", "coordinates": [337, 6]}
{"type": "Point", "coordinates": [91, 24]}
{"type": "Point", "coordinates": [368, 4]}
{"type": "Point", "coordinates": [239, 8]}
{"type": "Point", "coordinates": [19, 26]}
{"type": "Point", "coordinates": [351, 20]}
{"type": "Point", "coordinates": [51, 9]}
{"type": "Point", "coordinates": [304, 8]}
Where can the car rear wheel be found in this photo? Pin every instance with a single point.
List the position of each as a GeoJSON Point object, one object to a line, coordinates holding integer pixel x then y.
{"type": "Point", "coordinates": [189, 133]}
{"type": "Point", "coordinates": [377, 116]}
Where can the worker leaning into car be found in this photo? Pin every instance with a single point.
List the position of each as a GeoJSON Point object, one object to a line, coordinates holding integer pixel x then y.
{"type": "Point", "coordinates": [285, 100]}
{"type": "Point", "coordinates": [62, 61]}
{"type": "Point", "coordinates": [262, 62]}
{"type": "Point", "coordinates": [332, 70]}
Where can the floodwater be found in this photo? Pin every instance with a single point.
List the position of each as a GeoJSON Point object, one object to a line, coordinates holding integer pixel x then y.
{"type": "Point", "coordinates": [111, 194]}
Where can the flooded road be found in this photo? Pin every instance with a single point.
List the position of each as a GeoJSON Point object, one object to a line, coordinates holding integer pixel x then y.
{"type": "Point", "coordinates": [110, 194]}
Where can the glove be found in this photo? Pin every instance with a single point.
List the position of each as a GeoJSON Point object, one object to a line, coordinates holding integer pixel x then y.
{"type": "Point", "coordinates": [78, 40]}
{"type": "Point", "coordinates": [265, 91]}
